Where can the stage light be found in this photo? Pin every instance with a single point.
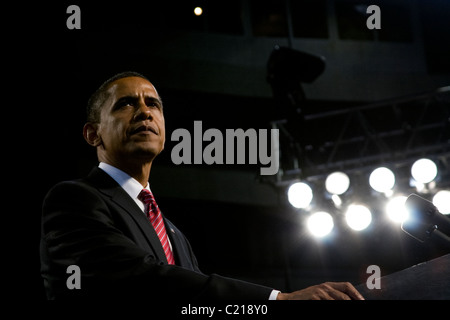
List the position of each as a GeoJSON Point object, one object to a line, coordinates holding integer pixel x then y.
{"type": "Point", "coordinates": [382, 179]}
{"type": "Point", "coordinates": [442, 201]}
{"type": "Point", "coordinates": [396, 209]}
{"type": "Point", "coordinates": [424, 170]}
{"type": "Point", "coordinates": [198, 11]}
{"type": "Point", "coordinates": [337, 183]}
{"type": "Point", "coordinates": [358, 217]}
{"type": "Point", "coordinates": [320, 224]}
{"type": "Point", "coordinates": [300, 195]}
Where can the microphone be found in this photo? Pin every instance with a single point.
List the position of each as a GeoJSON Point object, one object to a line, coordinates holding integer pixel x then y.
{"type": "Point", "coordinates": [425, 221]}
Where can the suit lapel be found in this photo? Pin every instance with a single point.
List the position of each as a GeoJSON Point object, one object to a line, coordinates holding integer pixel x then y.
{"type": "Point", "coordinates": [109, 187]}
{"type": "Point", "coordinates": [181, 254]}
{"type": "Point", "coordinates": [175, 242]}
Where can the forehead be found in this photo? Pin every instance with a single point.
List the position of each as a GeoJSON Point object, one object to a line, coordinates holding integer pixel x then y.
{"type": "Point", "coordinates": [131, 86]}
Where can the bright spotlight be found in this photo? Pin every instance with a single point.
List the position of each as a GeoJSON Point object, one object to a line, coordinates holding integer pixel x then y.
{"type": "Point", "coordinates": [358, 217]}
{"type": "Point", "coordinates": [337, 183]}
{"type": "Point", "coordinates": [198, 11]}
{"type": "Point", "coordinates": [320, 224]}
{"type": "Point", "coordinates": [396, 209]}
{"type": "Point", "coordinates": [424, 170]}
{"type": "Point", "coordinates": [442, 201]}
{"type": "Point", "coordinates": [300, 195]}
{"type": "Point", "coordinates": [382, 179]}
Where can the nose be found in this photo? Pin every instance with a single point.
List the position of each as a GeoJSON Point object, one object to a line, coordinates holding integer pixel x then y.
{"type": "Point", "coordinates": [142, 112]}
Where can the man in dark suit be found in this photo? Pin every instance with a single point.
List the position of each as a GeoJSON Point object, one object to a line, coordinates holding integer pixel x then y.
{"type": "Point", "coordinates": [109, 225]}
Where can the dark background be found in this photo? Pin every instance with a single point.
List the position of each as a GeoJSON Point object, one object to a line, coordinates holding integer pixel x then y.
{"type": "Point", "coordinates": [54, 70]}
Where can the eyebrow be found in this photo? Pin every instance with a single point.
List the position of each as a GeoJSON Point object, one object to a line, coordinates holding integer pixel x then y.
{"type": "Point", "coordinates": [135, 98]}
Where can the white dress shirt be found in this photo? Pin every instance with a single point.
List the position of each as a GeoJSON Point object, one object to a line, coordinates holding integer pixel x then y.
{"type": "Point", "coordinates": [133, 188]}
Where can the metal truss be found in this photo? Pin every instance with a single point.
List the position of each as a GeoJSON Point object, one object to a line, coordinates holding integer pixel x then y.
{"type": "Point", "coordinates": [393, 132]}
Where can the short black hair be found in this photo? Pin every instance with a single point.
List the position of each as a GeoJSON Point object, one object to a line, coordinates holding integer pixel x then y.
{"type": "Point", "coordinates": [97, 99]}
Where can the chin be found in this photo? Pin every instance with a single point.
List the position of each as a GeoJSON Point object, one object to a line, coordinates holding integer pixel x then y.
{"type": "Point", "coordinates": [146, 153]}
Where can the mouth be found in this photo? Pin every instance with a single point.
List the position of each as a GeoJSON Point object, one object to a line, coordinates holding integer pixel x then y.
{"type": "Point", "coordinates": [145, 129]}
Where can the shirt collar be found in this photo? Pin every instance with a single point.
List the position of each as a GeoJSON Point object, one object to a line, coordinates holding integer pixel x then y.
{"type": "Point", "coordinates": [131, 186]}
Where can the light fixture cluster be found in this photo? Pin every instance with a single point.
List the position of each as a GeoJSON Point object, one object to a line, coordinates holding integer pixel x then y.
{"type": "Point", "coordinates": [358, 216]}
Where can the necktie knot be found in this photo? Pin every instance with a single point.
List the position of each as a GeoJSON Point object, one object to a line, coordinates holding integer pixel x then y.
{"type": "Point", "coordinates": [149, 201]}
{"type": "Point", "coordinates": [146, 196]}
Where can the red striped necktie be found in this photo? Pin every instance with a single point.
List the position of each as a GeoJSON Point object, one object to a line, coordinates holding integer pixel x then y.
{"type": "Point", "coordinates": [155, 217]}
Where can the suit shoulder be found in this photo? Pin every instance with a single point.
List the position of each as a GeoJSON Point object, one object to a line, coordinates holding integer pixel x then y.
{"type": "Point", "coordinates": [70, 186]}
{"type": "Point", "coordinates": [75, 190]}
{"type": "Point", "coordinates": [92, 182]}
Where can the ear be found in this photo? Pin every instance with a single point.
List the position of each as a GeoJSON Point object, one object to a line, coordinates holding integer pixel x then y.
{"type": "Point", "coordinates": [91, 135]}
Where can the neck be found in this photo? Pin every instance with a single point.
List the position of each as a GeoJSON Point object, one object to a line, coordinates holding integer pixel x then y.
{"type": "Point", "coordinates": [140, 172]}
{"type": "Point", "coordinates": [137, 170]}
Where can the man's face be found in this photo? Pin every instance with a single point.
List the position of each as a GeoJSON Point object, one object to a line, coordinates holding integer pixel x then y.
{"type": "Point", "coordinates": [131, 121]}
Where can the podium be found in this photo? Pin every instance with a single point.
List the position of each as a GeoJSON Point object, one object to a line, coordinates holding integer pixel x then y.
{"type": "Point", "coordinates": [425, 281]}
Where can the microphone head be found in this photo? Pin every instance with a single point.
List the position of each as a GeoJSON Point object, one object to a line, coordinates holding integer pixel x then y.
{"type": "Point", "coordinates": [420, 223]}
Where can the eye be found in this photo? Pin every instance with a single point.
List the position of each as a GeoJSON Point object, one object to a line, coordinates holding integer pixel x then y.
{"type": "Point", "coordinates": [152, 103]}
{"type": "Point", "coordinates": [123, 103]}
{"type": "Point", "coordinates": [127, 102]}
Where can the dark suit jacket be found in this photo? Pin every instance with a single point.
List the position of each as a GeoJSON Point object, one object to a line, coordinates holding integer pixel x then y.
{"type": "Point", "coordinates": [94, 224]}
